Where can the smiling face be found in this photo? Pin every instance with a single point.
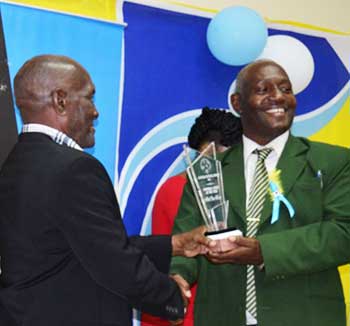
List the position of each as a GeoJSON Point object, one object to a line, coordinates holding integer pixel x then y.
{"type": "Point", "coordinates": [265, 102]}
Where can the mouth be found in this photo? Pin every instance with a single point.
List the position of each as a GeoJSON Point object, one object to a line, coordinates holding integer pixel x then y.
{"type": "Point", "coordinates": [276, 111]}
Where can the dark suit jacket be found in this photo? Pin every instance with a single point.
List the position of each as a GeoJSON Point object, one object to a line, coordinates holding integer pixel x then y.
{"type": "Point", "coordinates": [300, 284]}
{"type": "Point", "coordinates": [65, 257]}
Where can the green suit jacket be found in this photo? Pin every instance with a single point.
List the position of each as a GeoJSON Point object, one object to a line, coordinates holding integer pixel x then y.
{"type": "Point", "coordinates": [299, 284]}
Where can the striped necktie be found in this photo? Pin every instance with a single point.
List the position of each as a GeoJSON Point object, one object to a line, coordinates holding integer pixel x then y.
{"type": "Point", "coordinates": [256, 200]}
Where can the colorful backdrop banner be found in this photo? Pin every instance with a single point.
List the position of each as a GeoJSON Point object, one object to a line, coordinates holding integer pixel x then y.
{"type": "Point", "coordinates": [96, 45]}
{"type": "Point", "coordinates": [153, 78]}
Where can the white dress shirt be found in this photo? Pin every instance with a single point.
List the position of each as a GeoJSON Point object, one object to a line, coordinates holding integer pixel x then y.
{"type": "Point", "coordinates": [250, 159]}
{"type": "Point", "coordinates": [57, 136]}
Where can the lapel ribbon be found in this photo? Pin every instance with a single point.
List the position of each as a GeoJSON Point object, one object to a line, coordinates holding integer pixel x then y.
{"type": "Point", "coordinates": [277, 196]}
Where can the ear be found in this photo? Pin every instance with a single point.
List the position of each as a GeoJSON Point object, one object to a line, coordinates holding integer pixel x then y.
{"type": "Point", "coordinates": [59, 101]}
{"type": "Point", "coordinates": [236, 102]}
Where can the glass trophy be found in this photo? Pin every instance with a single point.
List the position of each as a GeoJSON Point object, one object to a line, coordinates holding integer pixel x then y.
{"type": "Point", "coordinates": [205, 175]}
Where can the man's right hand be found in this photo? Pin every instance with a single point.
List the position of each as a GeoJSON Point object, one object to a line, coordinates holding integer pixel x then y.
{"type": "Point", "coordinates": [192, 243]}
{"type": "Point", "coordinates": [183, 285]}
{"type": "Point", "coordinates": [186, 295]}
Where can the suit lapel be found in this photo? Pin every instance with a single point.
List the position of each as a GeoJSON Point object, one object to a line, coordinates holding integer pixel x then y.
{"type": "Point", "coordinates": [291, 164]}
{"type": "Point", "coordinates": [234, 182]}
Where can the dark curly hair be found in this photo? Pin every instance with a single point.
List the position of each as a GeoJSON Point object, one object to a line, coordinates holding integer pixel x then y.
{"type": "Point", "coordinates": [216, 125]}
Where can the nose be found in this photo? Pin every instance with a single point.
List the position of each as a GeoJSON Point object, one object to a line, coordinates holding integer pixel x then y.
{"type": "Point", "coordinates": [276, 94]}
{"type": "Point", "coordinates": [96, 114]}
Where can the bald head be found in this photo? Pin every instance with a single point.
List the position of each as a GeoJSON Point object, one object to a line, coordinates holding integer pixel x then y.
{"type": "Point", "coordinates": [58, 92]}
{"type": "Point", "coordinates": [244, 74]}
{"type": "Point", "coordinates": [40, 76]}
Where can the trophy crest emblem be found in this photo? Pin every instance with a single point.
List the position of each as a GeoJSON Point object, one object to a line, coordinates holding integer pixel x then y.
{"type": "Point", "coordinates": [205, 175]}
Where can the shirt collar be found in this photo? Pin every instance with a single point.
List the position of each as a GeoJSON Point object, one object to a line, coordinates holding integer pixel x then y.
{"type": "Point", "coordinates": [276, 144]}
{"type": "Point", "coordinates": [57, 136]}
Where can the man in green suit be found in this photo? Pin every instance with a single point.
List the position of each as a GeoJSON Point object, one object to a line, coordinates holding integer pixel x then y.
{"type": "Point", "coordinates": [295, 257]}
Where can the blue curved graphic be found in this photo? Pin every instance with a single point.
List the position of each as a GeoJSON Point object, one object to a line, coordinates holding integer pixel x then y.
{"type": "Point", "coordinates": [330, 74]}
{"type": "Point", "coordinates": [309, 126]}
{"type": "Point", "coordinates": [171, 132]}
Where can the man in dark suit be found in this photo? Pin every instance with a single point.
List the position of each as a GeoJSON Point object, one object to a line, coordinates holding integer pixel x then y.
{"type": "Point", "coordinates": [294, 258]}
{"type": "Point", "coordinates": [65, 257]}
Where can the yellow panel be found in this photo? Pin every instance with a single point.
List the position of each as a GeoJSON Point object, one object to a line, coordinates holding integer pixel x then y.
{"type": "Point", "coordinates": [344, 272]}
{"type": "Point", "coordinates": [100, 9]}
{"type": "Point", "coordinates": [337, 131]}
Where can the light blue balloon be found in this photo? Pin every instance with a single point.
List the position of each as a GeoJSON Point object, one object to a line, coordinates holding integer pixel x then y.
{"type": "Point", "coordinates": [237, 35]}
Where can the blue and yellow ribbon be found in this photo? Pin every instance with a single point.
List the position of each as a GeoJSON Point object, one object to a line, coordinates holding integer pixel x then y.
{"type": "Point", "coordinates": [277, 196]}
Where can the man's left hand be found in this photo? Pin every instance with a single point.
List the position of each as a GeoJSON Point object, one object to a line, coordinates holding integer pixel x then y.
{"type": "Point", "coordinates": [245, 251]}
{"type": "Point", "coordinates": [192, 243]}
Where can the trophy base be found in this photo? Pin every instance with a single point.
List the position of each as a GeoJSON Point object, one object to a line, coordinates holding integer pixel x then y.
{"type": "Point", "coordinates": [223, 244]}
{"type": "Point", "coordinates": [223, 234]}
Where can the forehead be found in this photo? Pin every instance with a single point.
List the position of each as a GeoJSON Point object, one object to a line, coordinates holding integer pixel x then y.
{"type": "Point", "coordinates": [83, 83]}
{"type": "Point", "coordinates": [265, 72]}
